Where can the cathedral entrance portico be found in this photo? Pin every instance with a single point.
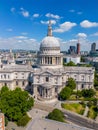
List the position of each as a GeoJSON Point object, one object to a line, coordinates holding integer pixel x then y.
{"type": "Point", "coordinates": [46, 91]}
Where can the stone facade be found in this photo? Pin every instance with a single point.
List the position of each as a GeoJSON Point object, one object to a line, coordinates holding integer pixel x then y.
{"type": "Point", "coordinates": [46, 81]}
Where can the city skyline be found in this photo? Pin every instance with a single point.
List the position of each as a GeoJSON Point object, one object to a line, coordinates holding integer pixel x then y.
{"type": "Point", "coordinates": [23, 24]}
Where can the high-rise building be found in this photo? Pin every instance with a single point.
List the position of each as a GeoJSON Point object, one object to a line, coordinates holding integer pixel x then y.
{"type": "Point", "coordinates": [78, 48]}
{"type": "Point", "coordinates": [2, 122]}
{"type": "Point", "coordinates": [72, 50]}
{"type": "Point", "coordinates": [93, 47]}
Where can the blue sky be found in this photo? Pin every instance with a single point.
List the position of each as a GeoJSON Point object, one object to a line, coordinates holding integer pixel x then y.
{"type": "Point", "coordinates": [23, 23]}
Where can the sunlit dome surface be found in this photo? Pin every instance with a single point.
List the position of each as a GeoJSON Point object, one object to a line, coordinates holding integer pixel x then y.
{"type": "Point", "coordinates": [50, 41]}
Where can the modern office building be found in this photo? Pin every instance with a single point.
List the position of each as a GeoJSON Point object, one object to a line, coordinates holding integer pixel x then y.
{"type": "Point", "coordinates": [93, 47]}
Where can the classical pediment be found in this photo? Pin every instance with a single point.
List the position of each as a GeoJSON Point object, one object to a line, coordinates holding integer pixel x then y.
{"type": "Point", "coordinates": [46, 73]}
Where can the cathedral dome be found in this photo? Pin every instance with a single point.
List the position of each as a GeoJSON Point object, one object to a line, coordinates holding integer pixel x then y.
{"type": "Point", "coordinates": [49, 41]}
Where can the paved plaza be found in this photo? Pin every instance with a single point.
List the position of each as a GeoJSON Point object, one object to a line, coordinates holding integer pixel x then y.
{"type": "Point", "coordinates": [45, 124]}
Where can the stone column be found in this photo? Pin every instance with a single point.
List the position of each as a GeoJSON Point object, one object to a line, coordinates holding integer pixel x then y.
{"type": "Point", "coordinates": [60, 60]}
{"type": "Point", "coordinates": [44, 93]}
{"type": "Point", "coordinates": [57, 60]}
{"type": "Point", "coordinates": [48, 60]}
{"type": "Point", "coordinates": [42, 60]}
{"type": "Point", "coordinates": [41, 92]}
{"type": "Point", "coordinates": [48, 93]}
{"type": "Point", "coordinates": [51, 60]}
{"type": "Point", "coordinates": [45, 60]}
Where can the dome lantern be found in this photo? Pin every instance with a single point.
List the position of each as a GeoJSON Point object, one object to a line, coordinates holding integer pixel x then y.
{"type": "Point", "coordinates": [49, 29]}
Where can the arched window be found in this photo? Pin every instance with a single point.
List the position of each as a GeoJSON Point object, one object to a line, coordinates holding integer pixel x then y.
{"type": "Point", "coordinates": [5, 84]}
{"type": "Point", "coordinates": [5, 76]}
{"type": "Point", "coordinates": [16, 82]}
{"type": "Point", "coordinates": [8, 76]}
{"type": "Point", "coordinates": [23, 83]}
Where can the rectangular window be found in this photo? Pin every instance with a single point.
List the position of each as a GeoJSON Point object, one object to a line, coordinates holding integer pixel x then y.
{"type": "Point", "coordinates": [47, 79]}
{"type": "Point", "coordinates": [82, 86]}
{"type": "Point", "coordinates": [89, 78]}
{"type": "Point", "coordinates": [82, 77]}
{"type": "Point", "coordinates": [75, 77]}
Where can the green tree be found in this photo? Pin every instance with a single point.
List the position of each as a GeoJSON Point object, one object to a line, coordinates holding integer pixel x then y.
{"type": "Point", "coordinates": [6, 121]}
{"type": "Point", "coordinates": [14, 104]}
{"type": "Point", "coordinates": [64, 64]}
{"type": "Point", "coordinates": [65, 93]}
{"type": "Point", "coordinates": [23, 121]}
{"type": "Point", "coordinates": [71, 83]}
{"type": "Point", "coordinates": [82, 59]}
{"type": "Point", "coordinates": [71, 63]}
{"type": "Point", "coordinates": [4, 89]}
{"type": "Point", "coordinates": [88, 93]}
{"type": "Point", "coordinates": [57, 115]}
{"type": "Point", "coordinates": [96, 80]}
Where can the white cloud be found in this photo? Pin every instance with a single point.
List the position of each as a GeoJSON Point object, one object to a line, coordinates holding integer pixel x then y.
{"type": "Point", "coordinates": [73, 40]}
{"type": "Point", "coordinates": [9, 29]}
{"type": "Point", "coordinates": [24, 33]}
{"type": "Point", "coordinates": [88, 24]}
{"type": "Point", "coordinates": [35, 15]}
{"type": "Point", "coordinates": [66, 26]}
{"type": "Point", "coordinates": [49, 15]}
{"type": "Point", "coordinates": [12, 9]}
{"type": "Point", "coordinates": [21, 37]}
{"type": "Point", "coordinates": [72, 10]}
{"type": "Point", "coordinates": [19, 42]}
{"type": "Point", "coordinates": [95, 34]}
{"type": "Point", "coordinates": [47, 22]}
{"type": "Point", "coordinates": [24, 12]}
{"type": "Point", "coordinates": [81, 35]}
{"type": "Point", "coordinates": [79, 13]}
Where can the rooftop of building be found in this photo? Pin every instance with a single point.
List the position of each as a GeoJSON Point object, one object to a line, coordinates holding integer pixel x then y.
{"type": "Point", "coordinates": [15, 67]}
